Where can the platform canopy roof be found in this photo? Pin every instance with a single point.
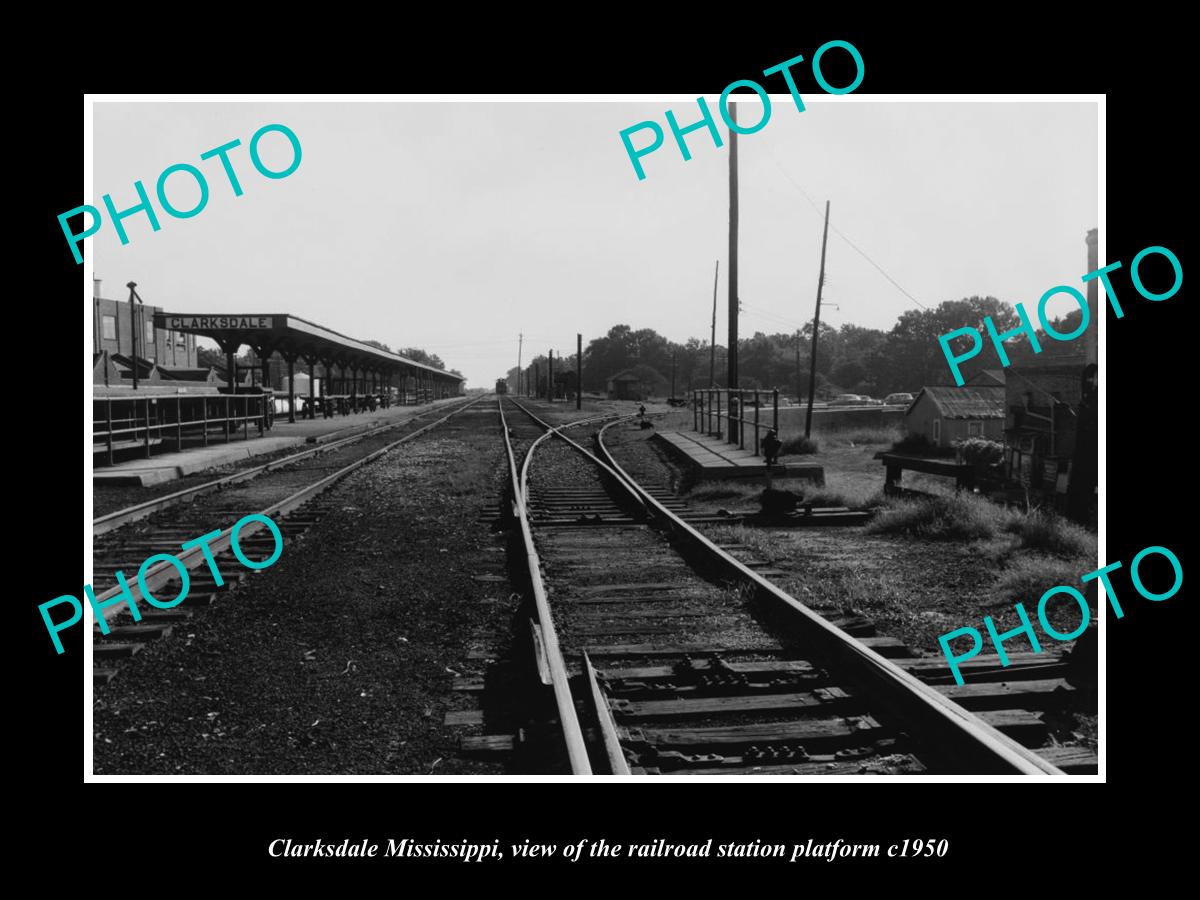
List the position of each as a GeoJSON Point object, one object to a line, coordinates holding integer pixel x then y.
{"type": "Point", "coordinates": [291, 336]}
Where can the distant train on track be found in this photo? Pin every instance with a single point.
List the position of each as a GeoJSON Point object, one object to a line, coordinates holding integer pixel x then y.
{"type": "Point", "coordinates": [501, 386]}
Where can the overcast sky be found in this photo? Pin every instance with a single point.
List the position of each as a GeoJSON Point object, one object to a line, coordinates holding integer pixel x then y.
{"type": "Point", "coordinates": [454, 226]}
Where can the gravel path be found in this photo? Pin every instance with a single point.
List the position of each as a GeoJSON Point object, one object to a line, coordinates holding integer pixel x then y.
{"type": "Point", "coordinates": [340, 658]}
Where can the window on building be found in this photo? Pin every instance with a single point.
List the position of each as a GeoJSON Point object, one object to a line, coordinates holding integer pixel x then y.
{"type": "Point", "coordinates": [108, 327]}
{"type": "Point", "coordinates": [149, 334]}
{"type": "Point", "coordinates": [974, 429]}
{"type": "Point", "coordinates": [937, 431]}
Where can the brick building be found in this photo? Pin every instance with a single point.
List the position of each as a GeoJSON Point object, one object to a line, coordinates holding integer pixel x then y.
{"type": "Point", "coordinates": [111, 331]}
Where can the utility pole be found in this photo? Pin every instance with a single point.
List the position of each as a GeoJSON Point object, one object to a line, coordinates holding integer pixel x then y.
{"type": "Point", "coordinates": [579, 371]}
{"type": "Point", "coordinates": [812, 378]}
{"type": "Point", "coordinates": [733, 247]}
{"type": "Point", "coordinates": [133, 329]}
{"type": "Point", "coordinates": [520, 345]}
{"type": "Point", "coordinates": [712, 346]}
{"type": "Point", "coordinates": [673, 352]}
{"type": "Point", "coordinates": [550, 376]}
{"type": "Point", "coordinates": [798, 339]}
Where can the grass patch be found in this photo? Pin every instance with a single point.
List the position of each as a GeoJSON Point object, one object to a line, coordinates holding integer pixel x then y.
{"type": "Point", "coordinates": [1026, 578]}
{"type": "Point", "coordinates": [798, 446]}
{"type": "Point", "coordinates": [852, 496]}
{"type": "Point", "coordinates": [863, 436]}
{"type": "Point", "coordinates": [962, 517]}
{"type": "Point", "coordinates": [1052, 534]}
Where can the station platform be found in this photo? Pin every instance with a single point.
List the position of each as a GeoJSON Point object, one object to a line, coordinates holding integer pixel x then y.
{"type": "Point", "coordinates": [711, 459]}
{"type": "Point", "coordinates": [170, 466]}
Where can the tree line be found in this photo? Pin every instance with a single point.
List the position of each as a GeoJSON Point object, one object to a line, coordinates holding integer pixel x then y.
{"type": "Point", "coordinates": [850, 358]}
{"type": "Point", "coordinates": [207, 356]}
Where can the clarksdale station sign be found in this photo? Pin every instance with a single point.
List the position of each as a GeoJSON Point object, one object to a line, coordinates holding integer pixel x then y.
{"type": "Point", "coordinates": [179, 323]}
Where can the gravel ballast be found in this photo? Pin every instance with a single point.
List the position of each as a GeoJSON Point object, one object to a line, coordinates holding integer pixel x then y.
{"type": "Point", "coordinates": [341, 657]}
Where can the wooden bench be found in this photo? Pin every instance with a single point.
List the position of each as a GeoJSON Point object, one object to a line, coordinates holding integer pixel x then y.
{"type": "Point", "coordinates": [895, 463]}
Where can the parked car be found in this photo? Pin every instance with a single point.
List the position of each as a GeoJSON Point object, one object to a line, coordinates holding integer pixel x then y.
{"type": "Point", "coordinates": [846, 400]}
{"type": "Point", "coordinates": [898, 399]}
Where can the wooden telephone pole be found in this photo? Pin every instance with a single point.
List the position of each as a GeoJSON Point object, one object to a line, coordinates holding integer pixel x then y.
{"type": "Point", "coordinates": [733, 260]}
{"type": "Point", "coordinates": [799, 337]}
{"type": "Point", "coordinates": [712, 346]}
{"type": "Point", "coordinates": [579, 371]}
{"type": "Point", "coordinates": [812, 378]}
{"type": "Point", "coordinates": [520, 345]}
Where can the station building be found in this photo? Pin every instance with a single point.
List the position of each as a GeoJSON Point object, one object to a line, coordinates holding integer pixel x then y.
{"type": "Point", "coordinates": [149, 388]}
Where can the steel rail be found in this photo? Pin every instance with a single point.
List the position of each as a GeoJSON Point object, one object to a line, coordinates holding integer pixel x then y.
{"type": "Point", "coordinates": [164, 572]}
{"type": "Point", "coordinates": [604, 718]}
{"type": "Point", "coordinates": [553, 430]}
{"type": "Point", "coordinates": [947, 719]}
{"type": "Point", "coordinates": [599, 703]}
{"type": "Point", "coordinates": [114, 520]}
{"type": "Point", "coordinates": [568, 718]}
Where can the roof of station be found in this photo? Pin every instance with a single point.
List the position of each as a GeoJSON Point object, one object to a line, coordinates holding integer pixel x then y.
{"type": "Point", "coordinates": [968, 402]}
{"type": "Point", "coordinates": [291, 335]}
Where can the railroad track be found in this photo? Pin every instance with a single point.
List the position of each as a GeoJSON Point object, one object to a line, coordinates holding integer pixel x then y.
{"type": "Point", "coordinates": [667, 654]}
{"type": "Point", "coordinates": [119, 518]}
{"type": "Point", "coordinates": [289, 491]}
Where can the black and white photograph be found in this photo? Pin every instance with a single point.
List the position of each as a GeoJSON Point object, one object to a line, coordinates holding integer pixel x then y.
{"type": "Point", "coordinates": [639, 438]}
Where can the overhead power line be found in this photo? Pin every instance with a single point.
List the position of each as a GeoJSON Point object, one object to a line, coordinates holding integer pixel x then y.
{"type": "Point", "coordinates": [840, 234]}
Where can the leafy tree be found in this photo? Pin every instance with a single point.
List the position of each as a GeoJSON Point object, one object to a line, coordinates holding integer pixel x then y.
{"type": "Point", "coordinates": [850, 358]}
{"type": "Point", "coordinates": [915, 356]}
{"type": "Point", "coordinates": [416, 354]}
{"type": "Point", "coordinates": [209, 356]}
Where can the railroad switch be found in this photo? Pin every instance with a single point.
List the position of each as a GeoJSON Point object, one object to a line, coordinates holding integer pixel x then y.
{"type": "Point", "coordinates": [722, 676]}
{"type": "Point", "coordinates": [775, 753]}
{"type": "Point", "coordinates": [655, 761]}
{"type": "Point", "coordinates": [638, 687]}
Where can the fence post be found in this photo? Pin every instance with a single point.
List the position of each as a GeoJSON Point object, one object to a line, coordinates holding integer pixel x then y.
{"type": "Point", "coordinates": [227, 419]}
{"type": "Point", "coordinates": [741, 419]}
{"type": "Point", "coordinates": [204, 417]}
{"type": "Point", "coordinates": [756, 421]}
{"type": "Point", "coordinates": [108, 415]}
{"type": "Point", "coordinates": [718, 393]}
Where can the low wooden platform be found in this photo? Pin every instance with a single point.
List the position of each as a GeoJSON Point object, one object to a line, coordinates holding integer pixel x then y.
{"type": "Point", "coordinates": [712, 458]}
{"type": "Point", "coordinates": [895, 463]}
